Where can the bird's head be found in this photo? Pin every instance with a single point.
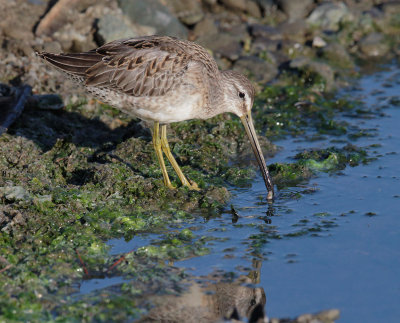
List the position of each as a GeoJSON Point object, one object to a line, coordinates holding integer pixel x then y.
{"type": "Point", "coordinates": [239, 93]}
{"type": "Point", "coordinates": [238, 98]}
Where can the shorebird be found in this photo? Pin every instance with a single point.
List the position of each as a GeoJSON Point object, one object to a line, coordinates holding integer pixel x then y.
{"type": "Point", "coordinates": [161, 80]}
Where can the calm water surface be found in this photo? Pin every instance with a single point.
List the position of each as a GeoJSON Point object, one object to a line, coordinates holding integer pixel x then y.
{"type": "Point", "coordinates": [333, 242]}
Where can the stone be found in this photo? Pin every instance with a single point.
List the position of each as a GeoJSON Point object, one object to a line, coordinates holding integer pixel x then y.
{"type": "Point", "coordinates": [374, 45]}
{"type": "Point", "coordinates": [294, 30]}
{"type": "Point", "coordinates": [256, 68]}
{"type": "Point", "coordinates": [222, 44]}
{"type": "Point", "coordinates": [235, 4]}
{"type": "Point", "coordinates": [15, 193]}
{"type": "Point", "coordinates": [113, 26]}
{"type": "Point", "coordinates": [295, 10]}
{"type": "Point", "coordinates": [257, 30]}
{"type": "Point", "coordinates": [338, 55]}
{"type": "Point", "coordinates": [253, 9]}
{"type": "Point", "coordinates": [318, 42]}
{"type": "Point", "coordinates": [328, 16]}
{"type": "Point", "coordinates": [321, 69]}
{"type": "Point", "coordinates": [205, 27]}
{"type": "Point", "coordinates": [262, 44]}
{"type": "Point", "coordinates": [153, 13]}
{"type": "Point", "coordinates": [188, 12]}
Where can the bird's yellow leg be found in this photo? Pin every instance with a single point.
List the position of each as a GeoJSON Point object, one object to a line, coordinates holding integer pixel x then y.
{"type": "Point", "coordinates": [165, 147]}
{"type": "Point", "coordinates": [157, 147]}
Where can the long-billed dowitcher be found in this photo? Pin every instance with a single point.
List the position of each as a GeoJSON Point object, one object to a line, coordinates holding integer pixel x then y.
{"type": "Point", "coordinates": [162, 79]}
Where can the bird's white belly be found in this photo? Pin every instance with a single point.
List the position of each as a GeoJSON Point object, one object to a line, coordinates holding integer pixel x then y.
{"type": "Point", "coordinates": [164, 109]}
{"type": "Point", "coordinates": [167, 108]}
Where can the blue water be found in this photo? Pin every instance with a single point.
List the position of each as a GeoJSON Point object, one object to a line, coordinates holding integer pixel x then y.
{"type": "Point", "coordinates": [348, 255]}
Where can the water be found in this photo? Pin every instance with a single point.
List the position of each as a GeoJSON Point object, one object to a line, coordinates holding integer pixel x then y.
{"type": "Point", "coordinates": [335, 246]}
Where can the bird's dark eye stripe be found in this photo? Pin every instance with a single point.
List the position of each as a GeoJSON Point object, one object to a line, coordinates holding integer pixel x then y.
{"type": "Point", "coordinates": [241, 95]}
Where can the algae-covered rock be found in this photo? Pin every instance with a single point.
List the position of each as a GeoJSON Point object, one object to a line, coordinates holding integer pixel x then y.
{"type": "Point", "coordinates": [155, 14]}
{"type": "Point", "coordinates": [256, 68]}
{"type": "Point", "coordinates": [117, 26]}
{"type": "Point", "coordinates": [296, 9]}
{"type": "Point", "coordinates": [337, 55]}
{"type": "Point", "coordinates": [374, 45]}
{"type": "Point", "coordinates": [329, 16]}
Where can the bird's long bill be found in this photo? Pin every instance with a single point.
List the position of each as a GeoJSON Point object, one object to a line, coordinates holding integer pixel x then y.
{"type": "Point", "coordinates": [251, 133]}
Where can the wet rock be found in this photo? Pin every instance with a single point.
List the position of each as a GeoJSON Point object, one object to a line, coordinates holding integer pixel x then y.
{"type": "Point", "coordinates": [338, 55]}
{"type": "Point", "coordinates": [153, 13]}
{"type": "Point", "coordinates": [222, 44]}
{"type": "Point", "coordinates": [52, 47]}
{"type": "Point", "coordinates": [10, 219]}
{"type": "Point", "coordinates": [321, 69]}
{"type": "Point", "coordinates": [117, 26]}
{"type": "Point", "coordinates": [294, 30]}
{"type": "Point", "coordinates": [15, 194]}
{"type": "Point", "coordinates": [328, 316]}
{"type": "Point", "coordinates": [295, 9]}
{"type": "Point", "coordinates": [235, 4]}
{"type": "Point", "coordinates": [328, 16]}
{"type": "Point", "coordinates": [205, 27]}
{"type": "Point", "coordinates": [388, 20]}
{"type": "Point", "coordinates": [374, 45]}
{"type": "Point", "coordinates": [293, 49]}
{"type": "Point", "coordinates": [318, 42]}
{"type": "Point", "coordinates": [253, 9]}
{"type": "Point", "coordinates": [391, 8]}
{"type": "Point", "coordinates": [188, 11]}
{"type": "Point", "coordinates": [264, 45]}
{"type": "Point", "coordinates": [256, 68]}
{"type": "Point", "coordinates": [216, 194]}
{"type": "Point", "coordinates": [257, 30]}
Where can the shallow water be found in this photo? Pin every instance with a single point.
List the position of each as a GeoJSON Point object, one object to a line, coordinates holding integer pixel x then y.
{"type": "Point", "coordinates": [333, 242]}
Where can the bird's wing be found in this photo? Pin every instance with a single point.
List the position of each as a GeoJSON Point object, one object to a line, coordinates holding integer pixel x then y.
{"type": "Point", "coordinates": [144, 66]}
{"type": "Point", "coordinates": [138, 67]}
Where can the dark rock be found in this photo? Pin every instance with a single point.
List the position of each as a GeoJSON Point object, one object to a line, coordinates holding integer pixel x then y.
{"type": "Point", "coordinates": [328, 16]}
{"type": "Point", "coordinates": [257, 30]}
{"type": "Point", "coordinates": [188, 11]}
{"type": "Point", "coordinates": [294, 49]}
{"type": "Point", "coordinates": [321, 69]}
{"type": "Point", "coordinates": [205, 27]}
{"type": "Point", "coordinates": [235, 4]}
{"type": "Point", "coordinates": [294, 30]}
{"type": "Point", "coordinates": [338, 55]}
{"type": "Point", "coordinates": [153, 13]}
{"type": "Point", "coordinates": [374, 45]}
{"type": "Point", "coordinates": [388, 21]}
{"type": "Point", "coordinates": [253, 9]}
{"type": "Point", "coordinates": [256, 68]}
{"type": "Point", "coordinates": [295, 9]}
{"type": "Point", "coordinates": [261, 44]}
{"type": "Point", "coordinates": [222, 44]}
{"type": "Point", "coordinates": [117, 26]}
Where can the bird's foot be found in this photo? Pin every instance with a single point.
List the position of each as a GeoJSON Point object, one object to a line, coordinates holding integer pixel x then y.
{"type": "Point", "coordinates": [192, 185]}
{"type": "Point", "coordinates": [170, 186]}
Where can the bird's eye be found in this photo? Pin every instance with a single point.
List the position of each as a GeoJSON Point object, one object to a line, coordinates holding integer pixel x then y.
{"type": "Point", "coordinates": [241, 95]}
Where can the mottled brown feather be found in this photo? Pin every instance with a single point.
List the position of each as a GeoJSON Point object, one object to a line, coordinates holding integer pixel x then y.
{"type": "Point", "coordinates": [144, 66]}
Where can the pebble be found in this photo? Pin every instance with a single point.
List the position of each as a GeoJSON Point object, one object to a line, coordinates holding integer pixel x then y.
{"type": "Point", "coordinates": [328, 16]}
{"type": "Point", "coordinates": [153, 13]}
{"type": "Point", "coordinates": [374, 45]}
{"type": "Point", "coordinates": [296, 9]}
{"type": "Point", "coordinates": [256, 68]}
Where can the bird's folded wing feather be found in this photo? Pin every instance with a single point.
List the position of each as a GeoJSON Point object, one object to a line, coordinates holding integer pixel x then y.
{"type": "Point", "coordinates": [147, 66]}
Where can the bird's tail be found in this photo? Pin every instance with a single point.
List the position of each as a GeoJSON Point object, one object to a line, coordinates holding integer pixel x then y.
{"type": "Point", "coordinates": [75, 64]}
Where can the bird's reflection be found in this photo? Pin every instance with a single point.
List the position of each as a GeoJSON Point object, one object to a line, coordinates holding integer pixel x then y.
{"type": "Point", "coordinates": [213, 302]}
